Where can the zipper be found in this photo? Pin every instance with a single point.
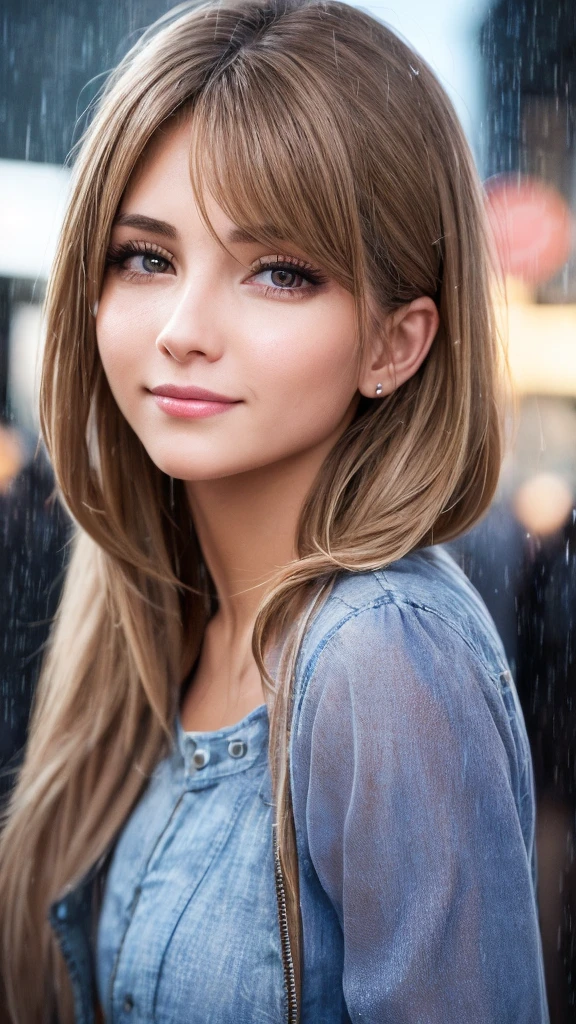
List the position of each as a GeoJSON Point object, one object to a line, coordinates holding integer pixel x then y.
{"type": "Point", "coordinates": [287, 960]}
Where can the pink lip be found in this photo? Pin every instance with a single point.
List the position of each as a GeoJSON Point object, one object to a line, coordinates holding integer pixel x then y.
{"type": "Point", "coordinates": [174, 391]}
{"type": "Point", "coordinates": [190, 402]}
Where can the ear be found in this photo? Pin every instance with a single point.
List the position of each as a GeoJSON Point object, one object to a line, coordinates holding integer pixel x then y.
{"type": "Point", "coordinates": [400, 348]}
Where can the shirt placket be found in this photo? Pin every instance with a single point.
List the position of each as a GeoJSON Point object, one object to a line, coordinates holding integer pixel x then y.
{"type": "Point", "coordinates": [204, 760]}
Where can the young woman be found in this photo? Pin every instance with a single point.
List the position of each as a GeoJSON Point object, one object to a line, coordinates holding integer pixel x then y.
{"type": "Point", "coordinates": [276, 768]}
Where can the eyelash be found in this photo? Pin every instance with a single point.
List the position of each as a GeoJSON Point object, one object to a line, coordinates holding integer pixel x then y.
{"type": "Point", "coordinates": [118, 254]}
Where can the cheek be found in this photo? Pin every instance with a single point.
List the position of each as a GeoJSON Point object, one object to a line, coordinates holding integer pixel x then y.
{"type": "Point", "coordinates": [309, 365]}
{"type": "Point", "coordinates": [122, 334]}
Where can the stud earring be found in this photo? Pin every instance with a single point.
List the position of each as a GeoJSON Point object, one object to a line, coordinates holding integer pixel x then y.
{"type": "Point", "coordinates": [379, 389]}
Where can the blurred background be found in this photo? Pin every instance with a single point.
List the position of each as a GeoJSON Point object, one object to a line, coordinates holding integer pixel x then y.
{"type": "Point", "coordinates": [510, 69]}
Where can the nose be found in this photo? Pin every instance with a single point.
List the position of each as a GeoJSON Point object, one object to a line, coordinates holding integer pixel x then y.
{"type": "Point", "coordinates": [191, 326]}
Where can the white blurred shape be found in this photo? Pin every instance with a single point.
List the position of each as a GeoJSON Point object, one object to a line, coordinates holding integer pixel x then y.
{"type": "Point", "coordinates": [32, 203]}
{"type": "Point", "coordinates": [26, 345]}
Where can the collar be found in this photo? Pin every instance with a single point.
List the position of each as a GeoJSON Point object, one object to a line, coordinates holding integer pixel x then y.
{"type": "Point", "coordinates": [211, 755]}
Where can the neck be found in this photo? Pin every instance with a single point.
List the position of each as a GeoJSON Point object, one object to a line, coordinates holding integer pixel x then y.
{"type": "Point", "coordinates": [246, 527]}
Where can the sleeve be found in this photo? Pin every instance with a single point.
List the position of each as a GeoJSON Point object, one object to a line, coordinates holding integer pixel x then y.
{"type": "Point", "coordinates": [413, 826]}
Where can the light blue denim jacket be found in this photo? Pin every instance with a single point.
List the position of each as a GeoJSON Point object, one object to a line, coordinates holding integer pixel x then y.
{"type": "Point", "coordinates": [413, 800]}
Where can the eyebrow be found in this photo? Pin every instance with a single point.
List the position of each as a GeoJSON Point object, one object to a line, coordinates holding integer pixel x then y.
{"type": "Point", "coordinates": [138, 220]}
{"type": "Point", "coordinates": [237, 236]}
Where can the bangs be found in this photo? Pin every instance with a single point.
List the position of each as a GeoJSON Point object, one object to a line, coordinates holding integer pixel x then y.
{"type": "Point", "coordinates": [266, 144]}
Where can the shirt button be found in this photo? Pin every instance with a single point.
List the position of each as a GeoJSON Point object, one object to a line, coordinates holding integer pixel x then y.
{"type": "Point", "coordinates": [128, 1003]}
{"type": "Point", "coordinates": [237, 748]}
{"type": "Point", "coordinates": [201, 757]}
{"type": "Point", "coordinates": [62, 911]}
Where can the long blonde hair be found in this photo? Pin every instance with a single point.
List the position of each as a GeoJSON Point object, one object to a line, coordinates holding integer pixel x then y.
{"type": "Point", "coordinates": [314, 121]}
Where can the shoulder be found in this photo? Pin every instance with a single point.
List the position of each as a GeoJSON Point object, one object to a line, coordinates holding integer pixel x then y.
{"type": "Point", "coordinates": [407, 659]}
{"type": "Point", "coordinates": [426, 592]}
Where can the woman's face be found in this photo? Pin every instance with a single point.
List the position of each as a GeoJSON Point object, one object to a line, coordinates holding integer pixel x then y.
{"type": "Point", "coordinates": [177, 311]}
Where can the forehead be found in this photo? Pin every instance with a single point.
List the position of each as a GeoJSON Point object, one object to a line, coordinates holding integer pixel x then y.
{"type": "Point", "coordinates": [160, 189]}
{"type": "Point", "coordinates": [164, 161]}
{"type": "Point", "coordinates": [209, 172]}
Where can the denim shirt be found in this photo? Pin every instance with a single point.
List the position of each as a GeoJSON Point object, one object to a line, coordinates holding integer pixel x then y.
{"type": "Point", "coordinates": [413, 798]}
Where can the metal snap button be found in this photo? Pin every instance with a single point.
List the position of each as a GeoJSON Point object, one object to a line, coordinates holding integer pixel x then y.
{"type": "Point", "coordinates": [201, 757]}
{"type": "Point", "coordinates": [237, 748]}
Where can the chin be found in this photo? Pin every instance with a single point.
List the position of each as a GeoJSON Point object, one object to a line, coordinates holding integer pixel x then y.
{"type": "Point", "coordinates": [206, 467]}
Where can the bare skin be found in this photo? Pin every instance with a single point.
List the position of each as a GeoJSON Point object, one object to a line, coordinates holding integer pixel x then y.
{"type": "Point", "coordinates": [189, 313]}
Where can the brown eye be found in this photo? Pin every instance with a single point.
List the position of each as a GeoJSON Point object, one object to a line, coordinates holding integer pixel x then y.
{"type": "Point", "coordinates": [284, 277]}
